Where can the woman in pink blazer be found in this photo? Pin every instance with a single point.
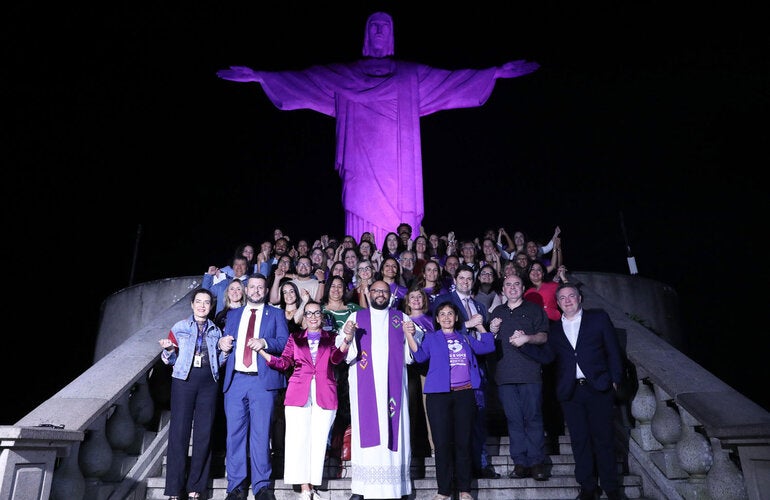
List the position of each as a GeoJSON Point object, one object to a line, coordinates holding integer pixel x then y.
{"type": "Point", "coordinates": [311, 398]}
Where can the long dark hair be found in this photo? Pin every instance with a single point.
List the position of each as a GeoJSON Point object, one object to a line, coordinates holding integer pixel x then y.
{"type": "Point", "coordinates": [282, 301]}
{"type": "Point", "coordinates": [386, 253]}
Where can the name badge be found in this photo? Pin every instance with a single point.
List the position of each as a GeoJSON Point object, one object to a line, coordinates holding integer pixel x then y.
{"type": "Point", "coordinates": [197, 363]}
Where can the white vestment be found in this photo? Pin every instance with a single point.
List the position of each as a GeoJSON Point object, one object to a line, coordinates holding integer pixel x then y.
{"type": "Point", "coordinates": [378, 472]}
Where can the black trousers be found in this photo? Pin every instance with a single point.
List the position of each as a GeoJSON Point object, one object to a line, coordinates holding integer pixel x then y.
{"type": "Point", "coordinates": [451, 416]}
{"type": "Point", "coordinates": [192, 400]}
{"type": "Point", "coordinates": [589, 416]}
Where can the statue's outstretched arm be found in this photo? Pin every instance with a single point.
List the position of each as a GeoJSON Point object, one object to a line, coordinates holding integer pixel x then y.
{"type": "Point", "coordinates": [513, 69]}
{"type": "Point", "coordinates": [239, 74]}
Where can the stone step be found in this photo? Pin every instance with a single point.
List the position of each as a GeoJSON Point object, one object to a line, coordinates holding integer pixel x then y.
{"type": "Point", "coordinates": [557, 487]}
{"type": "Point", "coordinates": [336, 486]}
{"type": "Point", "coordinates": [558, 465]}
{"type": "Point", "coordinates": [561, 483]}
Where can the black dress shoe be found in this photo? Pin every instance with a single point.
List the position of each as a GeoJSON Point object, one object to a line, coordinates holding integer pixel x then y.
{"type": "Point", "coordinates": [264, 494]}
{"type": "Point", "coordinates": [589, 494]}
{"type": "Point", "coordinates": [539, 472]}
{"type": "Point", "coordinates": [519, 472]}
{"type": "Point", "coordinates": [487, 472]}
{"type": "Point", "coordinates": [236, 494]}
{"type": "Point", "coordinates": [356, 496]}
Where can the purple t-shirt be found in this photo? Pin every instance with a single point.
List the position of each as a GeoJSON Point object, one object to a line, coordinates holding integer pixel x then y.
{"type": "Point", "coordinates": [459, 373]}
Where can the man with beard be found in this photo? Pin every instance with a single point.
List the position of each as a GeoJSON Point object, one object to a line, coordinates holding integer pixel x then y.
{"type": "Point", "coordinates": [250, 389]}
{"type": "Point", "coordinates": [267, 263]}
{"type": "Point", "coordinates": [379, 401]}
{"type": "Point", "coordinates": [305, 281]}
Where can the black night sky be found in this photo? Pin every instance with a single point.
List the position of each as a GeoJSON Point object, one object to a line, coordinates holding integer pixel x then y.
{"type": "Point", "coordinates": [114, 118]}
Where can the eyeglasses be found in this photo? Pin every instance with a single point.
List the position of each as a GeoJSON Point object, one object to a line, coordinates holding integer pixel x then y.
{"type": "Point", "coordinates": [310, 314]}
{"type": "Point", "coordinates": [486, 273]}
{"type": "Point", "coordinates": [303, 264]}
{"type": "Point", "coordinates": [406, 259]}
{"type": "Point", "coordinates": [379, 291]}
{"type": "Point", "coordinates": [367, 268]}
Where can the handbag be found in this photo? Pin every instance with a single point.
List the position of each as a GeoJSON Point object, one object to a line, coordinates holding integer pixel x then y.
{"type": "Point", "coordinates": [345, 454]}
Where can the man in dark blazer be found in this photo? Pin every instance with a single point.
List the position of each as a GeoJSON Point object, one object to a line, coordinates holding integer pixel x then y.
{"type": "Point", "coordinates": [250, 388]}
{"type": "Point", "coordinates": [475, 318]}
{"type": "Point", "coordinates": [475, 315]}
{"type": "Point", "coordinates": [588, 371]}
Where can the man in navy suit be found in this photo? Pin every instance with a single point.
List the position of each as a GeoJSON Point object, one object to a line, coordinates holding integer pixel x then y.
{"type": "Point", "coordinates": [588, 371]}
{"type": "Point", "coordinates": [250, 388]}
{"type": "Point", "coordinates": [475, 321]}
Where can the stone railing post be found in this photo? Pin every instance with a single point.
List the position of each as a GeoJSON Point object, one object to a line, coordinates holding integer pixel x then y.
{"type": "Point", "coordinates": [95, 457]}
{"type": "Point", "coordinates": [142, 410]}
{"type": "Point", "coordinates": [643, 410]}
{"type": "Point", "coordinates": [120, 434]}
{"type": "Point", "coordinates": [68, 482]}
{"type": "Point", "coordinates": [724, 480]}
{"type": "Point", "coordinates": [667, 429]}
{"type": "Point", "coordinates": [694, 455]}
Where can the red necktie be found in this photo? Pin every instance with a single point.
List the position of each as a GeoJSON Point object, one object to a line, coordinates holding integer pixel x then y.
{"type": "Point", "coordinates": [247, 351]}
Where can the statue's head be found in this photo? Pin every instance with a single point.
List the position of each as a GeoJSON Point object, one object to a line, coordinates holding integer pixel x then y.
{"type": "Point", "coordinates": [378, 36]}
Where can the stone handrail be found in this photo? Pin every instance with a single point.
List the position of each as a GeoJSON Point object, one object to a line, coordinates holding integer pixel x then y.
{"type": "Point", "coordinates": [93, 429]}
{"type": "Point", "coordinates": [693, 436]}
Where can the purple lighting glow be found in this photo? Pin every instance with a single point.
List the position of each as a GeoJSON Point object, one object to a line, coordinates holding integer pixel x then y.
{"type": "Point", "coordinates": [377, 102]}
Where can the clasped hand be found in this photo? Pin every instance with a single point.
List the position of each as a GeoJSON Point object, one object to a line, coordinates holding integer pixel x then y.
{"type": "Point", "coordinates": [226, 343]}
{"type": "Point", "coordinates": [257, 344]}
{"type": "Point", "coordinates": [519, 338]}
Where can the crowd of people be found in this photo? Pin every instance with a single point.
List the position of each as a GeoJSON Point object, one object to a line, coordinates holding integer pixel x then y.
{"type": "Point", "coordinates": [379, 354]}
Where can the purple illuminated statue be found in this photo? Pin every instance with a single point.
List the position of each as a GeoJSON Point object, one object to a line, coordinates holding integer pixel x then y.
{"type": "Point", "coordinates": [377, 102]}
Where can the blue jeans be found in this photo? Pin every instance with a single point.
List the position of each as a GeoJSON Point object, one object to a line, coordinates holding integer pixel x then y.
{"type": "Point", "coordinates": [523, 407]}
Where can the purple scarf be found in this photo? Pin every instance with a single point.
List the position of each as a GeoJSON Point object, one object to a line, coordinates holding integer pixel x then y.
{"type": "Point", "coordinates": [368, 425]}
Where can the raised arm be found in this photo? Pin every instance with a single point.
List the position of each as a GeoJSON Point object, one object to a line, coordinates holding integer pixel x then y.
{"type": "Point", "coordinates": [556, 258]}
{"type": "Point", "coordinates": [275, 289]}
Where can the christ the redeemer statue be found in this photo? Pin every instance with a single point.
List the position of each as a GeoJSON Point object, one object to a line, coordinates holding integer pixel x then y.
{"type": "Point", "coordinates": [377, 102]}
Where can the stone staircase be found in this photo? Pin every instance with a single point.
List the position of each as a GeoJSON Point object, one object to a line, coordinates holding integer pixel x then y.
{"type": "Point", "coordinates": [560, 485]}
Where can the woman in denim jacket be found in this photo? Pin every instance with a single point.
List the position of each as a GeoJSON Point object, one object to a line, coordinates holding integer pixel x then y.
{"type": "Point", "coordinates": [191, 348]}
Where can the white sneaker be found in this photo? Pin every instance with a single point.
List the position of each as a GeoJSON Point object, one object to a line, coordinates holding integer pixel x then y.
{"type": "Point", "coordinates": [317, 496]}
{"type": "Point", "coordinates": [306, 495]}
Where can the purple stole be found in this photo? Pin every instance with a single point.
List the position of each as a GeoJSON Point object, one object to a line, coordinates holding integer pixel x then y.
{"type": "Point", "coordinates": [368, 425]}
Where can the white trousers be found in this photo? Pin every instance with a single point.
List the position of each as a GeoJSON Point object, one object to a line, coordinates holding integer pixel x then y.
{"type": "Point", "coordinates": [307, 433]}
